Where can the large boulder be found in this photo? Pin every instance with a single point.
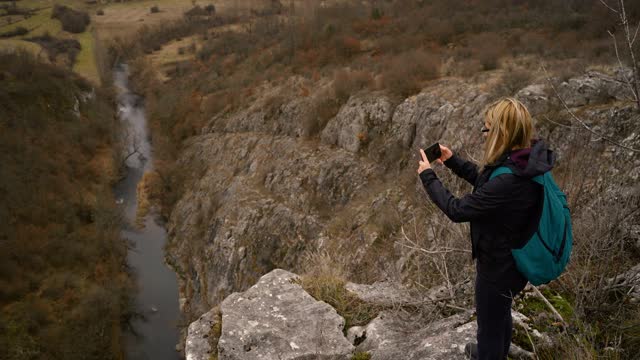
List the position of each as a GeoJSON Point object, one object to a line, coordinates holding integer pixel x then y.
{"type": "Point", "coordinates": [277, 319]}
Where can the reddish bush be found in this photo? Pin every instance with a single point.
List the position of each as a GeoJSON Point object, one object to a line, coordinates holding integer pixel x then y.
{"type": "Point", "coordinates": [404, 74]}
{"type": "Point", "coordinates": [348, 46]}
{"type": "Point", "coordinates": [487, 48]}
{"type": "Point", "coordinates": [346, 82]}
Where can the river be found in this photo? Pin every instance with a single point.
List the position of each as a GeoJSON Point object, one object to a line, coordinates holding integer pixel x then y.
{"type": "Point", "coordinates": [157, 295]}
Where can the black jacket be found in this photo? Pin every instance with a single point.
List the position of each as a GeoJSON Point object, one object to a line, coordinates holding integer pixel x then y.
{"type": "Point", "coordinates": [503, 212]}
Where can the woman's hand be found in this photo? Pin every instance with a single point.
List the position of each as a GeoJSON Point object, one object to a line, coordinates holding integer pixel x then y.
{"type": "Point", "coordinates": [446, 154]}
{"type": "Point", "coordinates": [424, 164]}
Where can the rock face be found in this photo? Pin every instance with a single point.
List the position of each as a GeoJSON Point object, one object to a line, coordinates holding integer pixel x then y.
{"type": "Point", "coordinates": [277, 319]}
{"type": "Point", "coordinates": [360, 121]}
{"type": "Point", "coordinates": [258, 193]}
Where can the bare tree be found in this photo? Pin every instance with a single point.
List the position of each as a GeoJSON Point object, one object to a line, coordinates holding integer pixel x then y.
{"type": "Point", "coordinates": [630, 36]}
{"type": "Point", "coordinates": [131, 143]}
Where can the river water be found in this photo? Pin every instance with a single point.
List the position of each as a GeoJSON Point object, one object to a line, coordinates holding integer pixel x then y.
{"type": "Point", "coordinates": [157, 296]}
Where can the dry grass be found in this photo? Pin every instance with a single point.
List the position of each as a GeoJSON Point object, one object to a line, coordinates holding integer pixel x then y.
{"type": "Point", "coordinates": [12, 45]}
{"type": "Point", "coordinates": [171, 54]}
{"type": "Point", "coordinates": [124, 19]}
{"type": "Point", "coordinates": [325, 282]}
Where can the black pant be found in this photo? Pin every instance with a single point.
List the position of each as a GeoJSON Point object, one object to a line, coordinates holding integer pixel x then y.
{"type": "Point", "coordinates": [493, 308]}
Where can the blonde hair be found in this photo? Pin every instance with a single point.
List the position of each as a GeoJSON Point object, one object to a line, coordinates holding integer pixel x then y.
{"type": "Point", "coordinates": [509, 128]}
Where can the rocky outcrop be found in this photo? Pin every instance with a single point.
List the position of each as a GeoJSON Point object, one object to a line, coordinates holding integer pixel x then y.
{"type": "Point", "coordinates": [390, 337]}
{"type": "Point", "coordinates": [595, 87]}
{"type": "Point", "coordinates": [360, 122]}
{"type": "Point", "coordinates": [277, 319]}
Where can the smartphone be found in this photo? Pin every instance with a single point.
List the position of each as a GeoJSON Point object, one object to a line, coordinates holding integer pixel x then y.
{"type": "Point", "coordinates": [433, 152]}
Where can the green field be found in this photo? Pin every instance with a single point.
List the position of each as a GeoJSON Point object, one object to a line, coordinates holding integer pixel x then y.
{"type": "Point", "coordinates": [37, 24]}
{"type": "Point", "coordinates": [42, 23]}
{"type": "Point", "coordinates": [85, 62]}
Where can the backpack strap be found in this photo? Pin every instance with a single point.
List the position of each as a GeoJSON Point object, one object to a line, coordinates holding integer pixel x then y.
{"type": "Point", "coordinates": [499, 171]}
{"type": "Point", "coordinates": [540, 179]}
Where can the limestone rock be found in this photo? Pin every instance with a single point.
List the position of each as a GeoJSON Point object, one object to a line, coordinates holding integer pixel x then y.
{"type": "Point", "coordinates": [593, 88]}
{"type": "Point", "coordinates": [359, 121]}
{"type": "Point", "coordinates": [197, 344]}
{"type": "Point", "coordinates": [277, 319]}
{"type": "Point", "coordinates": [390, 337]}
{"type": "Point", "coordinates": [629, 279]}
{"type": "Point", "coordinates": [535, 98]}
{"type": "Point", "coordinates": [386, 293]}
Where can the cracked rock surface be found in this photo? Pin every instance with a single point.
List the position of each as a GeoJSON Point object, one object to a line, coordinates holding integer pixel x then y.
{"type": "Point", "coordinates": [277, 319]}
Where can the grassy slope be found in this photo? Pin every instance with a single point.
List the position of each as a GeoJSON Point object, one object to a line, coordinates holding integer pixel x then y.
{"type": "Point", "coordinates": [63, 286]}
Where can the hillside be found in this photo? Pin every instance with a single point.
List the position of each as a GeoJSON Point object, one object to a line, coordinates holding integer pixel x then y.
{"type": "Point", "coordinates": [290, 140]}
{"type": "Point", "coordinates": [285, 142]}
{"type": "Point", "coordinates": [64, 285]}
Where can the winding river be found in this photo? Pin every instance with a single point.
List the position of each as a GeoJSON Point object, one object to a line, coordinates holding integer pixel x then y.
{"type": "Point", "coordinates": [154, 337]}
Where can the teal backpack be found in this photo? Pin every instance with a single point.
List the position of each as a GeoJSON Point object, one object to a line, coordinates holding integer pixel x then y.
{"type": "Point", "coordinates": [546, 254]}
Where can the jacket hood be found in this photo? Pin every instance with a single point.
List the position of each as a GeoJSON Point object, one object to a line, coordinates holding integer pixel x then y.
{"type": "Point", "coordinates": [533, 161]}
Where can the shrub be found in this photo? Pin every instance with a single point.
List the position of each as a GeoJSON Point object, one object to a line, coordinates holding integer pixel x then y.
{"type": "Point", "coordinates": [376, 13]}
{"type": "Point", "coordinates": [20, 30]}
{"type": "Point", "coordinates": [196, 11]}
{"type": "Point", "coordinates": [487, 48]}
{"type": "Point", "coordinates": [346, 82]}
{"type": "Point", "coordinates": [405, 73]}
{"type": "Point", "coordinates": [512, 81]}
{"type": "Point", "coordinates": [100, 12]}
{"type": "Point", "coordinates": [361, 356]}
{"type": "Point", "coordinates": [348, 46]}
{"type": "Point", "coordinates": [323, 107]}
{"type": "Point", "coordinates": [441, 30]}
{"type": "Point", "coordinates": [54, 47]}
{"type": "Point", "coordinates": [154, 9]}
{"type": "Point", "coordinates": [328, 285]}
{"type": "Point", "coordinates": [72, 20]}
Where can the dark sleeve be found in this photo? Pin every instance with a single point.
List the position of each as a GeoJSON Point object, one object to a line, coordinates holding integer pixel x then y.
{"type": "Point", "coordinates": [463, 168]}
{"type": "Point", "coordinates": [492, 195]}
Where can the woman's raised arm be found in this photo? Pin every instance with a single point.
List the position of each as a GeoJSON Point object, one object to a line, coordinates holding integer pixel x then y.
{"type": "Point", "coordinates": [463, 168]}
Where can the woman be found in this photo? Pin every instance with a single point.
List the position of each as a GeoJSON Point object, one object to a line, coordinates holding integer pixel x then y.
{"type": "Point", "coordinates": [503, 213]}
